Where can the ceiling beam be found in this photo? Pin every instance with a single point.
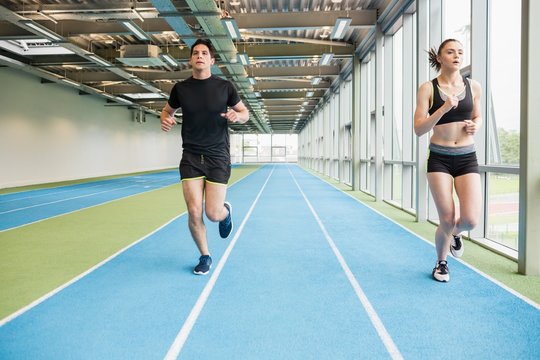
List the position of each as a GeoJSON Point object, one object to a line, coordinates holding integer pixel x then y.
{"type": "Point", "coordinates": [293, 71]}
{"type": "Point", "coordinates": [275, 21]}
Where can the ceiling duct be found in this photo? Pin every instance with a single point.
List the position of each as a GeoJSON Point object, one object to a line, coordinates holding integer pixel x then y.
{"type": "Point", "coordinates": [141, 55]}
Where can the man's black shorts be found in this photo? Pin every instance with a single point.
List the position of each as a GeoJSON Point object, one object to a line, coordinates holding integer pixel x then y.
{"type": "Point", "coordinates": [454, 165]}
{"type": "Point", "coordinates": [212, 169]}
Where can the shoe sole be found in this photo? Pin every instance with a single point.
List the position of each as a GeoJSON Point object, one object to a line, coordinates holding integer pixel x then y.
{"type": "Point", "coordinates": [457, 253]}
{"type": "Point", "coordinates": [232, 222]}
{"type": "Point", "coordinates": [441, 280]}
{"type": "Point", "coordinates": [201, 273]}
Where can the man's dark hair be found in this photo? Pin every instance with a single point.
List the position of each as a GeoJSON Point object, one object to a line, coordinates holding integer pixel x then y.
{"type": "Point", "coordinates": [207, 43]}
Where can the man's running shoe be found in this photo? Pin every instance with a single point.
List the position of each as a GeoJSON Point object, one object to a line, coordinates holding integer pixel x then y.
{"type": "Point", "coordinates": [226, 225]}
{"type": "Point", "coordinates": [456, 246]}
{"type": "Point", "coordinates": [440, 272]}
{"type": "Point", "coordinates": [205, 263]}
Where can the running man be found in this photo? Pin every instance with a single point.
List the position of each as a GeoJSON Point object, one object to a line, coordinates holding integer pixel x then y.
{"type": "Point", "coordinates": [208, 104]}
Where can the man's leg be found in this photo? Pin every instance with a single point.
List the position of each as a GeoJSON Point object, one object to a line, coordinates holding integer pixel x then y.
{"type": "Point", "coordinates": [193, 194]}
{"type": "Point", "coordinates": [217, 209]}
{"type": "Point", "coordinates": [214, 199]}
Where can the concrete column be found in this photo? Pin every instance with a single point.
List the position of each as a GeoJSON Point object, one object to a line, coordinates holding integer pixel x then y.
{"type": "Point", "coordinates": [529, 180]}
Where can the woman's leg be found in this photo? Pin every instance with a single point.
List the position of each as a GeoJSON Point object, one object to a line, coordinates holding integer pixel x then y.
{"type": "Point", "coordinates": [441, 186]}
{"type": "Point", "coordinates": [469, 192]}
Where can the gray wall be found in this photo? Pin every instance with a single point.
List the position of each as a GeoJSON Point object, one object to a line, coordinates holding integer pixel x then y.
{"type": "Point", "coordinates": [49, 133]}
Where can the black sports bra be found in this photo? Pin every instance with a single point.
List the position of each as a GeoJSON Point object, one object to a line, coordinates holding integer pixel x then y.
{"type": "Point", "coordinates": [462, 112]}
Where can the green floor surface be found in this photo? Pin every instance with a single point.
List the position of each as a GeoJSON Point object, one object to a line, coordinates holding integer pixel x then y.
{"type": "Point", "coordinates": [37, 258]}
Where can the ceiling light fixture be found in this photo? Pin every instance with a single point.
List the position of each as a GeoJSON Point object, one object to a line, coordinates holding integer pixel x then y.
{"type": "Point", "coordinates": [232, 27]}
{"type": "Point", "coordinates": [326, 58]}
{"type": "Point", "coordinates": [244, 59]}
{"type": "Point", "coordinates": [121, 99]}
{"type": "Point", "coordinates": [138, 81]}
{"type": "Point", "coordinates": [144, 96]}
{"type": "Point", "coordinates": [11, 61]}
{"type": "Point", "coordinates": [316, 81]}
{"type": "Point", "coordinates": [309, 94]}
{"type": "Point", "coordinates": [99, 60]}
{"type": "Point", "coordinates": [48, 17]}
{"type": "Point", "coordinates": [341, 25]}
{"type": "Point", "coordinates": [42, 30]}
{"type": "Point", "coordinates": [137, 31]}
{"type": "Point", "coordinates": [71, 82]}
{"type": "Point", "coordinates": [171, 60]}
{"type": "Point", "coordinates": [133, 10]}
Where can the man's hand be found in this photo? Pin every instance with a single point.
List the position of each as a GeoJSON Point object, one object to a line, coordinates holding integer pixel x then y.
{"type": "Point", "coordinates": [167, 121]}
{"type": "Point", "coordinates": [231, 116]}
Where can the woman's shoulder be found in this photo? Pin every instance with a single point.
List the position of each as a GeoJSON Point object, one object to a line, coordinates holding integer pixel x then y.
{"type": "Point", "coordinates": [426, 88]}
{"type": "Point", "coordinates": [475, 86]}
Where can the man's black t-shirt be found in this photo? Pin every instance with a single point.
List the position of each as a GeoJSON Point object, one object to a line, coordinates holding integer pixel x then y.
{"type": "Point", "coordinates": [204, 130]}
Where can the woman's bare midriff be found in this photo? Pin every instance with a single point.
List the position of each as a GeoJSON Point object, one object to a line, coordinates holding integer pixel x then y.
{"type": "Point", "coordinates": [452, 135]}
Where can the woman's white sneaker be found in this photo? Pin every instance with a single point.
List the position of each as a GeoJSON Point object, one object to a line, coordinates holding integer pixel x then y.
{"type": "Point", "coordinates": [440, 272]}
{"type": "Point", "coordinates": [456, 246]}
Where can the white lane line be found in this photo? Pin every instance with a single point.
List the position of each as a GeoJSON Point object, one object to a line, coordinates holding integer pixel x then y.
{"type": "Point", "coordinates": [80, 276]}
{"type": "Point", "coordinates": [479, 272]}
{"type": "Point", "coordinates": [180, 340]}
{"type": "Point", "coordinates": [65, 188]}
{"type": "Point", "coordinates": [84, 208]}
{"type": "Point", "coordinates": [44, 192]}
{"type": "Point", "coordinates": [372, 314]}
{"type": "Point", "coordinates": [78, 197]}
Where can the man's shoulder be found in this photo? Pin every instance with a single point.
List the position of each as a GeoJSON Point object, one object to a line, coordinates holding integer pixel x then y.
{"type": "Point", "coordinates": [184, 81]}
{"type": "Point", "coordinates": [220, 80]}
{"type": "Point", "coordinates": [180, 83]}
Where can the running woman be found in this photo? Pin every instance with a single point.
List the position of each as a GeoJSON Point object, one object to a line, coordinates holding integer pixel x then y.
{"type": "Point", "coordinates": [449, 105]}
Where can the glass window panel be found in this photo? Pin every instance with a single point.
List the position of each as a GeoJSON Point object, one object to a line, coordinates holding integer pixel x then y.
{"type": "Point", "coordinates": [504, 75]}
{"type": "Point", "coordinates": [264, 142]}
{"type": "Point", "coordinates": [503, 209]}
{"type": "Point", "coordinates": [457, 24]}
{"type": "Point", "coordinates": [397, 95]}
{"type": "Point", "coordinates": [250, 151]}
{"type": "Point", "coordinates": [236, 148]}
{"type": "Point", "coordinates": [397, 183]}
{"type": "Point", "coordinates": [291, 143]}
{"type": "Point", "coordinates": [250, 148]}
{"type": "Point", "coordinates": [414, 88]}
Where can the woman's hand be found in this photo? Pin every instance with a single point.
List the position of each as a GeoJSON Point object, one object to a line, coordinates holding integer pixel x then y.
{"type": "Point", "coordinates": [450, 103]}
{"type": "Point", "coordinates": [470, 127]}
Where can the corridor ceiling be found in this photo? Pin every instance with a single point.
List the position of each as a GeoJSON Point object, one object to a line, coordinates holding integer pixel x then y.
{"type": "Point", "coordinates": [132, 52]}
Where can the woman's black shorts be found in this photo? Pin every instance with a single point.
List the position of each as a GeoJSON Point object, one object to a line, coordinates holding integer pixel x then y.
{"type": "Point", "coordinates": [212, 169]}
{"type": "Point", "coordinates": [454, 165]}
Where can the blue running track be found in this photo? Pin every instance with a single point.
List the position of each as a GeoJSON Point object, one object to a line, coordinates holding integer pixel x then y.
{"type": "Point", "coordinates": [309, 273]}
{"type": "Point", "coordinates": [23, 208]}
